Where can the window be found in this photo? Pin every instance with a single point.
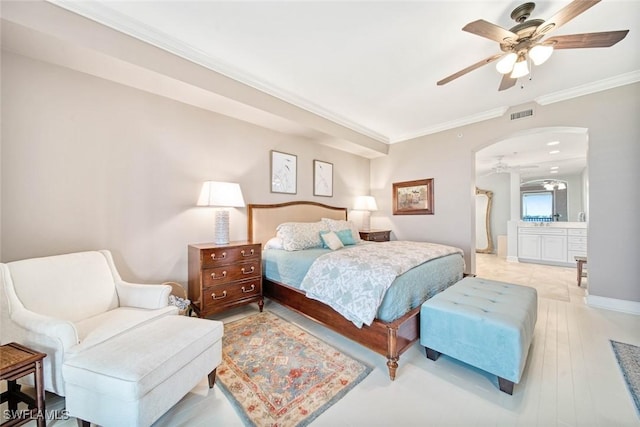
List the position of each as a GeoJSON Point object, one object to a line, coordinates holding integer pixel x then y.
{"type": "Point", "coordinates": [537, 206]}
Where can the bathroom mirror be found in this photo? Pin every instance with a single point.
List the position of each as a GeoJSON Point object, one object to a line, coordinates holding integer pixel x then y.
{"type": "Point", "coordinates": [544, 200]}
{"type": "Point", "coordinates": [484, 240]}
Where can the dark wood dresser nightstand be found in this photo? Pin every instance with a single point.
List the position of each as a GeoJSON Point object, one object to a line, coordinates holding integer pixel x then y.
{"type": "Point", "coordinates": [224, 276]}
{"type": "Point", "coordinates": [376, 235]}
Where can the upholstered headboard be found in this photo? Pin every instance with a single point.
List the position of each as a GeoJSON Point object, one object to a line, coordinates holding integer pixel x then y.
{"type": "Point", "coordinates": [263, 219]}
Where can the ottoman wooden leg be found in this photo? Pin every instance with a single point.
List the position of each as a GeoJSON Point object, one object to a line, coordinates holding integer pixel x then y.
{"type": "Point", "coordinates": [505, 385]}
{"type": "Point", "coordinates": [212, 378]}
{"type": "Point", "coordinates": [83, 423]}
{"type": "Point", "coordinates": [432, 354]}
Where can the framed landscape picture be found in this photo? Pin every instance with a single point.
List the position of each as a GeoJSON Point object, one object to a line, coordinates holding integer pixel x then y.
{"type": "Point", "coordinates": [413, 197]}
{"type": "Point", "coordinates": [284, 172]}
{"type": "Point", "coordinates": [322, 178]}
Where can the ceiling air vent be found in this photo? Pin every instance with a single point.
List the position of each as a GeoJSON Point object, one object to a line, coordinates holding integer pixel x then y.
{"type": "Point", "coordinates": [522, 114]}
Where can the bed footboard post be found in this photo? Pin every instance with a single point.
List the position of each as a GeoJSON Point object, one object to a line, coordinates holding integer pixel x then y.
{"type": "Point", "coordinates": [392, 352]}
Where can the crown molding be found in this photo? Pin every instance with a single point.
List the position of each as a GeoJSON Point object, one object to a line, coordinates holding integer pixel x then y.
{"type": "Point", "coordinates": [485, 115]}
{"type": "Point", "coordinates": [104, 15]}
{"type": "Point", "coordinates": [101, 13]}
{"type": "Point", "coordinates": [563, 95]}
{"type": "Point", "coordinates": [586, 89]}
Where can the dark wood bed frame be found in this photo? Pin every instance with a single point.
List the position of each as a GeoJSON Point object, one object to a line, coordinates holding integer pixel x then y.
{"type": "Point", "coordinates": [389, 339]}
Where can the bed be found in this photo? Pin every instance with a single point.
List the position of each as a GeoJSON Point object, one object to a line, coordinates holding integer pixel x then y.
{"type": "Point", "coordinates": [389, 337]}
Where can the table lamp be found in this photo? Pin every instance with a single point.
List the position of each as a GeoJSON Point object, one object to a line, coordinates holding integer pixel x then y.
{"type": "Point", "coordinates": [221, 195]}
{"type": "Point", "coordinates": [366, 204]}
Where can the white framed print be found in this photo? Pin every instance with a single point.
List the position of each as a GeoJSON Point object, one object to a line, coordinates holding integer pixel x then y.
{"type": "Point", "coordinates": [284, 172]}
{"type": "Point", "coordinates": [322, 178]}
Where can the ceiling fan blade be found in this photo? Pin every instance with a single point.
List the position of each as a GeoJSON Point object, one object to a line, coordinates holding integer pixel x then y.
{"type": "Point", "coordinates": [490, 31]}
{"type": "Point", "coordinates": [470, 68]}
{"type": "Point", "coordinates": [507, 82]}
{"type": "Point", "coordinates": [576, 41]}
{"type": "Point", "coordinates": [566, 14]}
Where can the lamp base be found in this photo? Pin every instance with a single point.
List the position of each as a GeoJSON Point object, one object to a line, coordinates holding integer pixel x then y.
{"type": "Point", "coordinates": [366, 220]}
{"type": "Point", "coordinates": [221, 227]}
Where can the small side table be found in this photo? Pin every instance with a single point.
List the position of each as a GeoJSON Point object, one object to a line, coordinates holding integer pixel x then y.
{"type": "Point", "coordinates": [375, 235]}
{"type": "Point", "coordinates": [581, 261]}
{"type": "Point", "coordinates": [16, 361]}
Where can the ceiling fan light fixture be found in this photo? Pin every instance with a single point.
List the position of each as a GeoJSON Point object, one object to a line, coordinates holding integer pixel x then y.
{"type": "Point", "coordinates": [520, 69]}
{"type": "Point", "coordinates": [505, 65]}
{"type": "Point", "coordinates": [540, 53]}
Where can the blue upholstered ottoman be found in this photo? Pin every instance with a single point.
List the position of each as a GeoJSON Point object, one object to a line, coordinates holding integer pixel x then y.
{"type": "Point", "coordinates": [484, 323]}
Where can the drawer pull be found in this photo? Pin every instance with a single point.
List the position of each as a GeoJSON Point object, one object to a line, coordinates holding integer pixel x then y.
{"type": "Point", "coordinates": [246, 291]}
{"type": "Point", "coordinates": [251, 270]}
{"type": "Point", "coordinates": [222, 276]}
{"type": "Point", "coordinates": [251, 252]}
{"type": "Point", "coordinates": [223, 256]}
{"type": "Point", "coordinates": [224, 295]}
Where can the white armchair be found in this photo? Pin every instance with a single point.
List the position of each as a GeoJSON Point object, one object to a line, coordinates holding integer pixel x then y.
{"type": "Point", "coordinates": [61, 305]}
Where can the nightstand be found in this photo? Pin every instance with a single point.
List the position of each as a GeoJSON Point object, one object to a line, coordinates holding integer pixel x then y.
{"type": "Point", "coordinates": [376, 235]}
{"type": "Point", "coordinates": [17, 361]}
{"type": "Point", "coordinates": [224, 276]}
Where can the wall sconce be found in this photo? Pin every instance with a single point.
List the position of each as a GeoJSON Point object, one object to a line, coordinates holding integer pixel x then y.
{"type": "Point", "coordinates": [222, 195]}
{"type": "Point", "coordinates": [366, 204]}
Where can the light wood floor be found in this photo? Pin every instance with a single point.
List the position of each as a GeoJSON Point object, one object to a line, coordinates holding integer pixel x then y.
{"type": "Point", "coordinates": [571, 378]}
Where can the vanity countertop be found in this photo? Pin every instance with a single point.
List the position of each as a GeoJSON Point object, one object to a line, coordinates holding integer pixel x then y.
{"type": "Point", "coordinates": [558, 224]}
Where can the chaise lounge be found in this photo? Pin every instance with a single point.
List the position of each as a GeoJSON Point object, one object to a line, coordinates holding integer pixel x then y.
{"type": "Point", "coordinates": [118, 351]}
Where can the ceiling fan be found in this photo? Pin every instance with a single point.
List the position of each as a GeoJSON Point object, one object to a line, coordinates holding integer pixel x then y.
{"type": "Point", "coordinates": [523, 42]}
{"type": "Point", "coordinates": [501, 167]}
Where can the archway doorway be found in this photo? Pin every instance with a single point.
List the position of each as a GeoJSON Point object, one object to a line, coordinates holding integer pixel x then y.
{"type": "Point", "coordinates": [547, 156]}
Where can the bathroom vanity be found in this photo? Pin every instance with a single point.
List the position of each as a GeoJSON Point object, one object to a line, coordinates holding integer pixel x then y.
{"type": "Point", "coordinates": [554, 243]}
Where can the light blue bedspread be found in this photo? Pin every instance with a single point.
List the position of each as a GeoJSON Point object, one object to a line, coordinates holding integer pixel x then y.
{"type": "Point", "coordinates": [407, 291]}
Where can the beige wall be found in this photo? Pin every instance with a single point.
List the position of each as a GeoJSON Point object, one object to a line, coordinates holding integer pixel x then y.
{"type": "Point", "coordinates": [613, 161]}
{"type": "Point", "coordinates": [87, 164]}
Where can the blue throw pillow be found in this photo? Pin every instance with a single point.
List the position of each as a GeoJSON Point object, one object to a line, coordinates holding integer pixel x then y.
{"type": "Point", "coordinates": [346, 237]}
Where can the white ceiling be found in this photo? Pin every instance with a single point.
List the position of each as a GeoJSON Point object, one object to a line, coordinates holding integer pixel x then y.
{"type": "Point", "coordinates": [543, 154]}
{"type": "Point", "coordinates": [372, 67]}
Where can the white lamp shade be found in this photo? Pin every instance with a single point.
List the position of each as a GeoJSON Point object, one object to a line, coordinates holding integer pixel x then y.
{"type": "Point", "coordinates": [222, 194]}
{"type": "Point", "coordinates": [366, 203]}
{"type": "Point", "coordinates": [520, 69]}
{"type": "Point", "coordinates": [540, 53]}
{"type": "Point", "coordinates": [505, 65]}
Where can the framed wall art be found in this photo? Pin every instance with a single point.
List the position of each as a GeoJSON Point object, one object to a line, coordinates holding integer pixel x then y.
{"type": "Point", "coordinates": [413, 197]}
{"type": "Point", "coordinates": [284, 172]}
{"type": "Point", "coordinates": [322, 178]}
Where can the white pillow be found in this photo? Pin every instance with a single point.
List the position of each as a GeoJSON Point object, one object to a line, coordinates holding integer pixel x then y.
{"type": "Point", "coordinates": [332, 240]}
{"type": "Point", "coordinates": [274, 243]}
{"type": "Point", "coordinates": [340, 224]}
{"type": "Point", "coordinates": [300, 235]}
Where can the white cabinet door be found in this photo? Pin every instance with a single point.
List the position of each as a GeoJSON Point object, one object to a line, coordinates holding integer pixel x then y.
{"type": "Point", "coordinates": [529, 246]}
{"type": "Point", "coordinates": [553, 248]}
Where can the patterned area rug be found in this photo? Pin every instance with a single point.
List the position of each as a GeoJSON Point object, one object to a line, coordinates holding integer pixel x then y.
{"type": "Point", "coordinates": [276, 374]}
{"type": "Point", "coordinates": [629, 360]}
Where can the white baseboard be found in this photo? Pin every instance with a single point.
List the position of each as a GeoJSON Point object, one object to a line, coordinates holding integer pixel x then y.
{"type": "Point", "coordinates": [632, 307]}
{"type": "Point", "coordinates": [512, 259]}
